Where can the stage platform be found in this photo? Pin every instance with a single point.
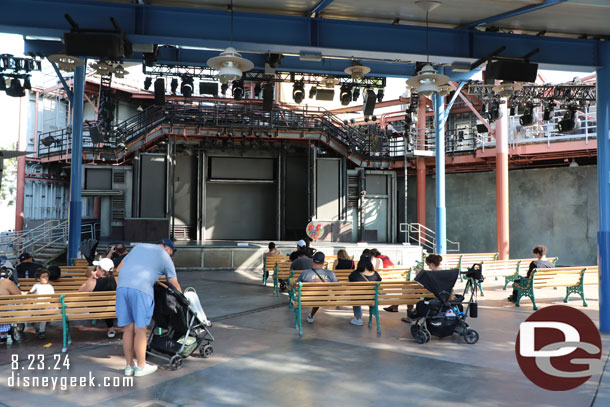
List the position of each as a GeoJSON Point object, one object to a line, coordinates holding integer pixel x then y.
{"type": "Point", "coordinates": [232, 254]}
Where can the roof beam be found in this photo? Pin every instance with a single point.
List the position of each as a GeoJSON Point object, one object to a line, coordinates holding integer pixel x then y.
{"type": "Point", "coordinates": [287, 34]}
{"type": "Point", "coordinates": [510, 14]}
{"type": "Point", "coordinates": [319, 7]}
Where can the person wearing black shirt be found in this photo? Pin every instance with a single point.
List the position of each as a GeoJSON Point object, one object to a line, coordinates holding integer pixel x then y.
{"type": "Point", "coordinates": [541, 263]}
{"type": "Point", "coordinates": [26, 267]}
{"type": "Point", "coordinates": [364, 272]}
{"type": "Point", "coordinates": [117, 253]}
{"type": "Point", "coordinates": [102, 279]}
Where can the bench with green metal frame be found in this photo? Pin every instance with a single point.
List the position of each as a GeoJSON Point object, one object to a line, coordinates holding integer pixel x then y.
{"type": "Point", "coordinates": [76, 306]}
{"type": "Point", "coordinates": [521, 269]}
{"type": "Point", "coordinates": [573, 278]}
{"type": "Point", "coordinates": [269, 265]}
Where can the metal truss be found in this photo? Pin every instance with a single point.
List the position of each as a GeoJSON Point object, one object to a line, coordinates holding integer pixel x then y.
{"type": "Point", "coordinates": [576, 92]}
{"type": "Point", "coordinates": [12, 66]}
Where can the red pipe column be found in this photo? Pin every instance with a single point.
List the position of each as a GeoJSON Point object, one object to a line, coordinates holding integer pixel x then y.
{"type": "Point", "coordinates": [502, 220]}
{"type": "Point", "coordinates": [421, 161]}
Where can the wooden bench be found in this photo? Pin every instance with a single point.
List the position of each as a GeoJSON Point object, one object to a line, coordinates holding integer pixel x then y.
{"type": "Point", "coordinates": [269, 265]}
{"type": "Point", "coordinates": [352, 294]}
{"type": "Point", "coordinates": [282, 271]}
{"type": "Point", "coordinates": [73, 271]}
{"type": "Point", "coordinates": [67, 284]}
{"type": "Point", "coordinates": [509, 269]}
{"type": "Point", "coordinates": [65, 307]}
{"type": "Point", "coordinates": [573, 278]}
{"type": "Point", "coordinates": [80, 262]}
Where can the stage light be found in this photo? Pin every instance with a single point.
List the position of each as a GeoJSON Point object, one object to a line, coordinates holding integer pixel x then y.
{"type": "Point", "coordinates": [494, 111]}
{"type": "Point", "coordinates": [238, 90]}
{"type": "Point", "coordinates": [257, 89]}
{"type": "Point", "coordinates": [298, 91]}
{"type": "Point", "coordinates": [529, 117]}
{"type": "Point", "coordinates": [548, 111]}
{"type": "Point", "coordinates": [513, 110]}
{"type": "Point", "coordinates": [187, 87]}
{"type": "Point", "coordinates": [355, 94]}
{"type": "Point", "coordinates": [570, 120]}
{"type": "Point", "coordinates": [48, 141]}
{"type": "Point", "coordinates": [147, 83]}
{"type": "Point", "coordinates": [380, 95]}
{"type": "Point", "coordinates": [15, 90]}
{"type": "Point", "coordinates": [174, 85]}
{"type": "Point", "coordinates": [345, 95]}
{"type": "Point", "coordinates": [312, 92]}
{"type": "Point", "coordinates": [2, 83]}
{"type": "Point", "coordinates": [26, 83]}
{"type": "Point", "coordinates": [223, 88]}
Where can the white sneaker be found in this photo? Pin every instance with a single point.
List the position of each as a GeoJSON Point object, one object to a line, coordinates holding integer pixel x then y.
{"type": "Point", "coordinates": [355, 321]}
{"type": "Point", "coordinates": [129, 370]}
{"type": "Point", "coordinates": [310, 319]}
{"type": "Point", "coordinates": [148, 369]}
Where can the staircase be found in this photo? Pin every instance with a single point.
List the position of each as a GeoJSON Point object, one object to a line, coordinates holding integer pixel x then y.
{"type": "Point", "coordinates": [419, 235]}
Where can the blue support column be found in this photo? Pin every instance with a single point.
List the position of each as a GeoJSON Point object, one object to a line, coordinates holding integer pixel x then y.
{"type": "Point", "coordinates": [603, 179]}
{"type": "Point", "coordinates": [441, 221]}
{"type": "Point", "coordinates": [74, 232]}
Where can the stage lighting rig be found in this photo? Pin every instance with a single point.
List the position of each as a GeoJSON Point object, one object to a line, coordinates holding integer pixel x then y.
{"type": "Point", "coordinates": [529, 115]}
{"type": "Point", "coordinates": [298, 91]}
{"type": "Point", "coordinates": [238, 90]}
{"type": "Point", "coordinates": [570, 121]}
{"type": "Point", "coordinates": [345, 95]}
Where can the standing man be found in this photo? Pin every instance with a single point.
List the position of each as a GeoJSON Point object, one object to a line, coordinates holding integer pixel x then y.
{"type": "Point", "coordinates": [135, 300]}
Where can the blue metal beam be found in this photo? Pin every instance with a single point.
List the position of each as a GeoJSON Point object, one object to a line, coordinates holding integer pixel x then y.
{"type": "Point", "coordinates": [63, 81]}
{"type": "Point", "coordinates": [319, 7]}
{"type": "Point", "coordinates": [603, 181]}
{"type": "Point", "coordinates": [451, 102]}
{"type": "Point", "coordinates": [441, 211]}
{"type": "Point", "coordinates": [76, 168]}
{"type": "Point", "coordinates": [290, 34]}
{"type": "Point", "coordinates": [510, 14]}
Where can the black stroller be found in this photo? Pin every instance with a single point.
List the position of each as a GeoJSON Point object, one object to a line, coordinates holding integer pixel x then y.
{"type": "Point", "coordinates": [180, 327]}
{"type": "Point", "coordinates": [443, 316]}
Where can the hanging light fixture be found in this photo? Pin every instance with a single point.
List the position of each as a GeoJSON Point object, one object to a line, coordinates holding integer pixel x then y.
{"type": "Point", "coordinates": [507, 89]}
{"type": "Point", "coordinates": [427, 80]}
{"type": "Point", "coordinates": [66, 63]}
{"type": "Point", "coordinates": [102, 68]}
{"type": "Point", "coordinates": [229, 64]}
{"type": "Point", "coordinates": [357, 70]}
{"type": "Point", "coordinates": [119, 71]}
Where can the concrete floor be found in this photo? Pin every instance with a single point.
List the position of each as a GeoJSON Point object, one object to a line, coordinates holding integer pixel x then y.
{"type": "Point", "coordinates": [260, 360]}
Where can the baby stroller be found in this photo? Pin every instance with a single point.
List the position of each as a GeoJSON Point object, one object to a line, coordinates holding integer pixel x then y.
{"type": "Point", "coordinates": [442, 316]}
{"type": "Point", "coordinates": [180, 327]}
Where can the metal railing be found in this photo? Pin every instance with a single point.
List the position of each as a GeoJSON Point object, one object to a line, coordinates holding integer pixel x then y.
{"type": "Point", "coordinates": [420, 235]}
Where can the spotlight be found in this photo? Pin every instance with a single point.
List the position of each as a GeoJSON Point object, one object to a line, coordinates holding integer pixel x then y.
{"type": "Point", "coordinates": [513, 110]}
{"type": "Point", "coordinates": [570, 120]}
{"type": "Point", "coordinates": [374, 118]}
{"type": "Point", "coordinates": [174, 85]}
{"type": "Point", "coordinates": [26, 83]}
{"type": "Point", "coordinates": [15, 90]}
{"type": "Point", "coordinates": [238, 90]}
{"type": "Point", "coordinates": [312, 92]}
{"type": "Point", "coordinates": [147, 83]}
{"type": "Point", "coordinates": [48, 141]}
{"type": "Point", "coordinates": [187, 87]}
{"type": "Point", "coordinates": [494, 111]}
{"type": "Point", "coordinates": [2, 83]}
{"type": "Point", "coordinates": [548, 111]}
{"type": "Point", "coordinates": [345, 95]}
{"type": "Point", "coordinates": [223, 88]}
{"type": "Point", "coordinates": [380, 95]}
{"type": "Point", "coordinates": [529, 117]}
{"type": "Point", "coordinates": [356, 94]}
{"type": "Point", "coordinates": [298, 91]}
{"type": "Point", "coordinates": [257, 89]}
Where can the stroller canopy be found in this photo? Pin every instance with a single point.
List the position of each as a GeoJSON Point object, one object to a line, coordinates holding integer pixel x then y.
{"type": "Point", "coordinates": [438, 282]}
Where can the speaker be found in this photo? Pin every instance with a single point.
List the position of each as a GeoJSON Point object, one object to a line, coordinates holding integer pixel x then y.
{"type": "Point", "coordinates": [515, 71]}
{"type": "Point", "coordinates": [112, 46]}
{"type": "Point", "coordinates": [268, 97]}
{"type": "Point", "coordinates": [368, 107]}
{"type": "Point", "coordinates": [325, 94]}
{"type": "Point", "coordinates": [160, 91]}
{"type": "Point", "coordinates": [95, 134]}
{"type": "Point", "coordinates": [481, 128]}
{"type": "Point", "coordinates": [208, 88]}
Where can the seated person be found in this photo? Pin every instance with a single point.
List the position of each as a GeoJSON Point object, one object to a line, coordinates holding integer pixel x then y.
{"type": "Point", "coordinates": [117, 253]}
{"type": "Point", "coordinates": [316, 274]}
{"type": "Point", "coordinates": [42, 286]}
{"type": "Point", "coordinates": [381, 261]}
{"type": "Point", "coordinates": [302, 262]}
{"type": "Point", "coordinates": [102, 279]}
{"type": "Point", "coordinates": [343, 262]}
{"type": "Point", "coordinates": [301, 246]}
{"type": "Point", "coordinates": [273, 252]}
{"type": "Point", "coordinates": [541, 263]}
{"type": "Point", "coordinates": [364, 272]}
{"type": "Point", "coordinates": [26, 267]}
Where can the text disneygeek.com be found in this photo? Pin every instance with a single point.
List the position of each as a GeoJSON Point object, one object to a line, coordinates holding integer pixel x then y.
{"type": "Point", "coordinates": [67, 382]}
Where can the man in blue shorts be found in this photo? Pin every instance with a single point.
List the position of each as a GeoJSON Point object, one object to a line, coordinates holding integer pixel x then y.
{"type": "Point", "coordinates": [135, 301]}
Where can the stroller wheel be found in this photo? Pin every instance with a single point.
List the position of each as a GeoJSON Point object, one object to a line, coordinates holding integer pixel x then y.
{"type": "Point", "coordinates": [428, 335]}
{"type": "Point", "coordinates": [471, 336]}
{"type": "Point", "coordinates": [206, 351]}
{"type": "Point", "coordinates": [414, 329]}
{"type": "Point", "coordinates": [175, 362]}
{"type": "Point", "coordinates": [421, 337]}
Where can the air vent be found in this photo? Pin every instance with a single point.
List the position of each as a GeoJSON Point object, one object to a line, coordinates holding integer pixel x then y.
{"type": "Point", "coordinates": [118, 208]}
{"type": "Point", "coordinates": [118, 177]}
{"type": "Point", "coordinates": [353, 193]}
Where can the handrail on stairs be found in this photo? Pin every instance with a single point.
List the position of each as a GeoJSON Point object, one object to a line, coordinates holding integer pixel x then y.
{"type": "Point", "coordinates": [421, 235]}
